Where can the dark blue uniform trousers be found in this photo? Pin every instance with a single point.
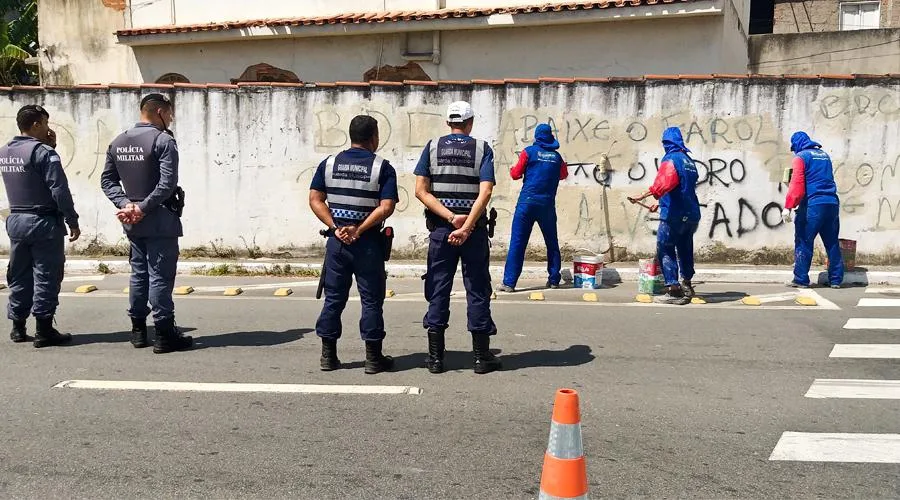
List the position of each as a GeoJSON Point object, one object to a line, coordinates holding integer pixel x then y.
{"type": "Point", "coordinates": [154, 264]}
{"type": "Point", "coordinates": [36, 262]}
{"type": "Point", "coordinates": [523, 221]}
{"type": "Point", "coordinates": [817, 220]}
{"type": "Point", "coordinates": [675, 249]}
{"type": "Point", "coordinates": [443, 259]}
{"type": "Point", "coordinates": [365, 260]}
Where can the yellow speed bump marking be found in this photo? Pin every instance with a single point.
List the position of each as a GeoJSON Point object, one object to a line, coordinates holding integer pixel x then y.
{"type": "Point", "coordinates": [698, 300]}
{"type": "Point", "coordinates": [126, 289]}
{"type": "Point", "coordinates": [283, 292]}
{"type": "Point", "coordinates": [644, 298]}
{"type": "Point", "coordinates": [493, 295]}
{"type": "Point", "coordinates": [389, 293]}
{"type": "Point", "coordinates": [751, 301]}
{"type": "Point", "coordinates": [2, 286]}
{"type": "Point", "coordinates": [86, 289]}
{"type": "Point", "coordinates": [536, 296]}
{"type": "Point", "coordinates": [805, 301]}
{"type": "Point", "coordinates": [233, 291]}
{"type": "Point", "coordinates": [589, 297]}
{"type": "Point", "coordinates": [184, 290]}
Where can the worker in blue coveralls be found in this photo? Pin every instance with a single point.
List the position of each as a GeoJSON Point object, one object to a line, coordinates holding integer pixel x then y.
{"type": "Point", "coordinates": [353, 193]}
{"type": "Point", "coordinates": [40, 204]}
{"type": "Point", "coordinates": [813, 193]}
{"type": "Point", "coordinates": [454, 180]}
{"type": "Point", "coordinates": [141, 179]}
{"type": "Point", "coordinates": [675, 187]}
{"type": "Point", "coordinates": [543, 167]}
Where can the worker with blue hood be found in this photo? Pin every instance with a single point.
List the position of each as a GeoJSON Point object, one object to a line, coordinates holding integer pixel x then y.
{"type": "Point", "coordinates": [812, 193]}
{"type": "Point", "coordinates": [675, 187]}
{"type": "Point", "coordinates": [543, 167]}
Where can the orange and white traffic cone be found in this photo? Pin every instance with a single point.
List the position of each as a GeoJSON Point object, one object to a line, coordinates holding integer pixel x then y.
{"type": "Point", "coordinates": [565, 474]}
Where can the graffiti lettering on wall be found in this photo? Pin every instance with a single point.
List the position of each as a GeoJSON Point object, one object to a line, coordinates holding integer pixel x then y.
{"type": "Point", "coordinates": [835, 106]}
{"type": "Point", "coordinates": [865, 184]}
{"type": "Point", "coordinates": [749, 218]}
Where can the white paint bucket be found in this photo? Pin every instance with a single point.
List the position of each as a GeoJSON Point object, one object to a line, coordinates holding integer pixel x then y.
{"type": "Point", "coordinates": [588, 272]}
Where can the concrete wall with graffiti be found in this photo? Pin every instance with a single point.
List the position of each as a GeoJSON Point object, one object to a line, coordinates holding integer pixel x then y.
{"type": "Point", "coordinates": [248, 153]}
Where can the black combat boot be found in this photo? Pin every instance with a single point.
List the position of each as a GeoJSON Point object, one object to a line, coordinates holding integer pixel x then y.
{"type": "Point", "coordinates": [19, 332]}
{"type": "Point", "coordinates": [329, 361]}
{"type": "Point", "coordinates": [169, 338]}
{"type": "Point", "coordinates": [375, 361]}
{"type": "Point", "coordinates": [485, 361]}
{"type": "Point", "coordinates": [47, 336]}
{"type": "Point", "coordinates": [435, 360]}
{"type": "Point", "coordinates": [139, 333]}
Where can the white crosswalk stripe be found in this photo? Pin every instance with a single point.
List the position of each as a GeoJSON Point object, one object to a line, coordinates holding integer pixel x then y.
{"type": "Point", "coordinates": [838, 447]}
{"type": "Point", "coordinates": [854, 389]}
{"type": "Point", "coordinates": [883, 290]}
{"type": "Point", "coordinates": [867, 302]}
{"type": "Point", "coordinates": [851, 447]}
{"type": "Point", "coordinates": [872, 324]}
{"type": "Point", "coordinates": [866, 351]}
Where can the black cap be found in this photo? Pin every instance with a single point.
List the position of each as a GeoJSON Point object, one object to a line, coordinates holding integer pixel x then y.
{"type": "Point", "coordinates": [33, 107]}
{"type": "Point", "coordinates": [155, 97]}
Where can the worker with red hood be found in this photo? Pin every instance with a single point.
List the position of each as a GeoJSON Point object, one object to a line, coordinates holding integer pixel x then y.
{"type": "Point", "coordinates": [675, 187]}
{"type": "Point", "coordinates": [812, 193]}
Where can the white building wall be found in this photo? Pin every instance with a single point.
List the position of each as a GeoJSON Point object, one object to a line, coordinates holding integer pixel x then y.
{"type": "Point", "coordinates": [248, 155]}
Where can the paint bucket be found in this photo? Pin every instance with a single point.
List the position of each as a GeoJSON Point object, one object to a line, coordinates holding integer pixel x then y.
{"type": "Point", "coordinates": [588, 272]}
{"type": "Point", "coordinates": [848, 252]}
{"type": "Point", "coordinates": [651, 285]}
{"type": "Point", "coordinates": [650, 278]}
{"type": "Point", "coordinates": [649, 267]}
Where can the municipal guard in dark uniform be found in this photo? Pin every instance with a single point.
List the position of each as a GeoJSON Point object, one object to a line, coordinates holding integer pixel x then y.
{"type": "Point", "coordinates": [141, 179]}
{"type": "Point", "coordinates": [40, 202]}
{"type": "Point", "coordinates": [454, 180]}
{"type": "Point", "coordinates": [360, 189]}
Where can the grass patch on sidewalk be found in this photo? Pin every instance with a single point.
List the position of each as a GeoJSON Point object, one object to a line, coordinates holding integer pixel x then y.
{"type": "Point", "coordinates": [273, 270]}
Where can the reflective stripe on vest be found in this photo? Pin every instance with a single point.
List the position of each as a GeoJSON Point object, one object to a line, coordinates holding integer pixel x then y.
{"type": "Point", "coordinates": [353, 190]}
{"type": "Point", "coordinates": [455, 171]}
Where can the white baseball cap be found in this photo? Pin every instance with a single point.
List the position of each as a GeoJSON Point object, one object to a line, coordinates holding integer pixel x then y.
{"type": "Point", "coordinates": [459, 111]}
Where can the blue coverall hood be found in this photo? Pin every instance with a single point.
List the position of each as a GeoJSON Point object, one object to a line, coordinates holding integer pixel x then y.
{"type": "Point", "coordinates": [543, 137]}
{"type": "Point", "coordinates": [673, 142]}
{"type": "Point", "coordinates": [801, 141]}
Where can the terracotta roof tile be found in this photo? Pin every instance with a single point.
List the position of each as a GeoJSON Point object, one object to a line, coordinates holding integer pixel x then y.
{"type": "Point", "coordinates": [508, 81]}
{"type": "Point", "coordinates": [857, 75]}
{"type": "Point", "coordinates": [551, 79]}
{"type": "Point", "coordinates": [392, 16]}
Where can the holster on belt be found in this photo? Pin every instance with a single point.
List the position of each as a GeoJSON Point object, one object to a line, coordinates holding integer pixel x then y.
{"type": "Point", "coordinates": [387, 241]}
{"type": "Point", "coordinates": [176, 202]}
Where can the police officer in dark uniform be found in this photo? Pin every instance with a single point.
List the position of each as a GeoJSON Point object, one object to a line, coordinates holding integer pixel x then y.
{"type": "Point", "coordinates": [140, 178]}
{"type": "Point", "coordinates": [40, 201]}
{"type": "Point", "coordinates": [454, 180]}
{"type": "Point", "coordinates": [360, 189]}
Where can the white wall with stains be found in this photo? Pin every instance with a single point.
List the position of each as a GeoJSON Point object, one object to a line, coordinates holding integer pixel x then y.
{"type": "Point", "coordinates": [248, 154]}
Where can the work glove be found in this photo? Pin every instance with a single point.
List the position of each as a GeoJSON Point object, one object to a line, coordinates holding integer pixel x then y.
{"type": "Point", "coordinates": [787, 215]}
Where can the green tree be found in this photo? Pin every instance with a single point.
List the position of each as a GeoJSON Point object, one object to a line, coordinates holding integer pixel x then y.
{"type": "Point", "coordinates": [18, 41]}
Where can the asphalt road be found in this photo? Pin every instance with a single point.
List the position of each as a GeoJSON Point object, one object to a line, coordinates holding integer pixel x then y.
{"type": "Point", "coordinates": [677, 402]}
